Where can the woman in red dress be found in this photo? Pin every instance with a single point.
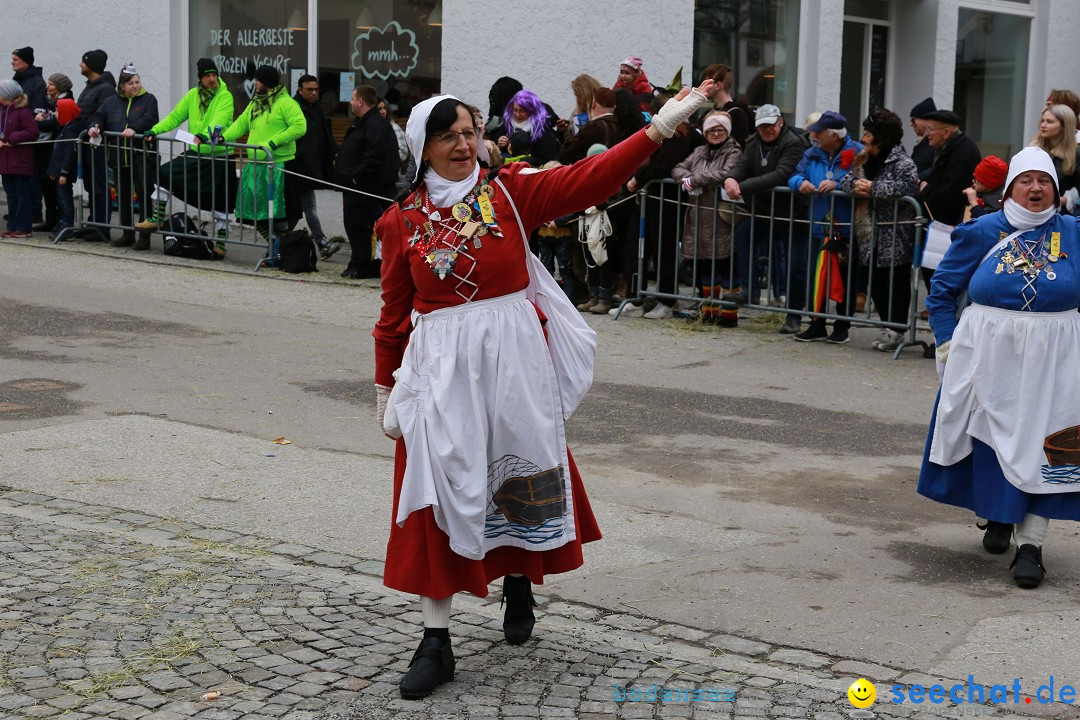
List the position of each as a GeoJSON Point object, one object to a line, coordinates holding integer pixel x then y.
{"type": "Point", "coordinates": [484, 485]}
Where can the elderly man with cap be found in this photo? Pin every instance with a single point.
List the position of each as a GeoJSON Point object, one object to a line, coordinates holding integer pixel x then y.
{"type": "Point", "coordinates": [203, 175]}
{"type": "Point", "coordinates": [922, 154]}
{"type": "Point", "coordinates": [955, 158]}
{"type": "Point", "coordinates": [770, 156]}
{"type": "Point", "coordinates": [823, 164]}
{"type": "Point", "coordinates": [1002, 439]}
{"type": "Point", "coordinates": [100, 85]}
{"type": "Point", "coordinates": [367, 161]}
{"type": "Point", "coordinates": [273, 120]}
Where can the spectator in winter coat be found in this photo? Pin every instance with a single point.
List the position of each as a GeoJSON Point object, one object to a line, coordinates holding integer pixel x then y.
{"type": "Point", "coordinates": [275, 121]}
{"type": "Point", "coordinates": [1057, 130]}
{"type": "Point", "coordinates": [57, 88]}
{"type": "Point", "coordinates": [527, 112]}
{"type": "Point", "coordinates": [768, 160]}
{"type": "Point", "coordinates": [956, 156]}
{"type": "Point", "coordinates": [706, 239]}
{"type": "Point", "coordinates": [884, 229]}
{"type": "Point", "coordinates": [632, 77]}
{"type": "Point", "coordinates": [722, 100]}
{"type": "Point", "coordinates": [63, 166]}
{"type": "Point", "coordinates": [984, 195]}
{"type": "Point", "coordinates": [16, 163]}
{"type": "Point", "coordinates": [314, 160]}
{"type": "Point", "coordinates": [132, 111]}
{"type": "Point", "coordinates": [922, 154]}
{"type": "Point", "coordinates": [33, 85]}
{"type": "Point", "coordinates": [603, 128]}
{"type": "Point", "coordinates": [367, 161]}
{"type": "Point", "coordinates": [822, 166]}
{"type": "Point", "coordinates": [100, 86]}
{"type": "Point", "coordinates": [202, 176]}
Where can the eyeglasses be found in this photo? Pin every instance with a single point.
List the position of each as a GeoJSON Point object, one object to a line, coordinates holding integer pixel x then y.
{"type": "Point", "coordinates": [934, 129]}
{"type": "Point", "coordinates": [450, 138]}
{"type": "Point", "coordinates": [716, 131]}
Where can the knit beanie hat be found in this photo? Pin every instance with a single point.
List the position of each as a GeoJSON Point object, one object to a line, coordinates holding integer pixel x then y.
{"type": "Point", "coordinates": [920, 110]}
{"type": "Point", "coordinates": [66, 110]}
{"type": "Point", "coordinates": [95, 60]}
{"type": "Point", "coordinates": [26, 54]}
{"type": "Point", "coordinates": [61, 82]}
{"type": "Point", "coordinates": [205, 66]}
{"type": "Point", "coordinates": [991, 172]}
{"type": "Point", "coordinates": [10, 90]}
{"type": "Point", "coordinates": [268, 75]}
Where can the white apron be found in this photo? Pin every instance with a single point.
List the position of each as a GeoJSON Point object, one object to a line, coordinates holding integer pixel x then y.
{"type": "Point", "coordinates": [479, 409]}
{"type": "Point", "coordinates": [1012, 382]}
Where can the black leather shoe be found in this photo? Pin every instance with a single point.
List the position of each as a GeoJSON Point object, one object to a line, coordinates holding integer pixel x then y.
{"type": "Point", "coordinates": [518, 618]}
{"type": "Point", "coordinates": [431, 666]}
{"type": "Point", "coordinates": [1027, 566]}
{"type": "Point", "coordinates": [125, 240]}
{"type": "Point", "coordinates": [997, 536]}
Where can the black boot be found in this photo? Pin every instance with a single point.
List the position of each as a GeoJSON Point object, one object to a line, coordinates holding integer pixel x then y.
{"type": "Point", "coordinates": [431, 666]}
{"type": "Point", "coordinates": [143, 242]}
{"type": "Point", "coordinates": [997, 536]}
{"type": "Point", "coordinates": [127, 239]}
{"type": "Point", "coordinates": [1027, 566]}
{"type": "Point", "coordinates": [518, 620]}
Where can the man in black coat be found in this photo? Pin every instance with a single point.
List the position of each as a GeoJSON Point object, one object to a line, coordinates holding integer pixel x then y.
{"type": "Point", "coordinates": [367, 161]}
{"type": "Point", "coordinates": [100, 85]}
{"type": "Point", "coordinates": [315, 161]}
{"type": "Point", "coordinates": [768, 160]}
{"type": "Point", "coordinates": [955, 158]}
{"type": "Point", "coordinates": [922, 154]}
{"type": "Point", "coordinates": [32, 83]}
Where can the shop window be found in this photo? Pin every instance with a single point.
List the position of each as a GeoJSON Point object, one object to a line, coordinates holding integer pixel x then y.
{"type": "Point", "coordinates": [759, 39]}
{"type": "Point", "coordinates": [393, 45]}
{"type": "Point", "coordinates": [241, 35]}
{"type": "Point", "coordinates": [990, 94]}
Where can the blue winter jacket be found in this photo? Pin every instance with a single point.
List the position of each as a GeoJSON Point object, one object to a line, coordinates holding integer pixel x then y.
{"type": "Point", "coordinates": [816, 165]}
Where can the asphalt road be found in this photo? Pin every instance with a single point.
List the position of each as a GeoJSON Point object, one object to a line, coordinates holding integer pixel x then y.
{"type": "Point", "coordinates": [745, 483]}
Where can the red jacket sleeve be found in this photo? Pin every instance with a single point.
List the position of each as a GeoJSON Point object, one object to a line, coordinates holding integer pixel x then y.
{"type": "Point", "coordinates": [392, 329]}
{"type": "Point", "coordinates": [546, 195]}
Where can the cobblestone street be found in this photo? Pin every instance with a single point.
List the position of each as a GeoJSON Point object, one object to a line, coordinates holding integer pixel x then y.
{"type": "Point", "coordinates": [105, 613]}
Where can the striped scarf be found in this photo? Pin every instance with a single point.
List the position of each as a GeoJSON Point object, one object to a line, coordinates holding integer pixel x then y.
{"type": "Point", "coordinates": [262, 101]}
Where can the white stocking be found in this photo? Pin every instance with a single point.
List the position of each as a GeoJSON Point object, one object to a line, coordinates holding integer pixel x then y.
{"type": "Point", "coordinates": [436, 612]}
{"type": "Point", "coordinates": [1031, 530]}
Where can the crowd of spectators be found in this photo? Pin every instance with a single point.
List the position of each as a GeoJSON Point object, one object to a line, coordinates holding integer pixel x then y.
{"type": "Point", "coordinates": [842, 232]}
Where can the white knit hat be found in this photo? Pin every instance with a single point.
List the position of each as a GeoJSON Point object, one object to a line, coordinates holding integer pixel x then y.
{"type": "Point", "coordinates": [1031, 158]}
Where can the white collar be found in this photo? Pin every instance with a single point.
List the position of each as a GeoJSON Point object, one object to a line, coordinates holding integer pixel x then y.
{"type": "Point", "coordinates": [443, 192]}
{"type": "Point", "coordinates": [1023, 219]}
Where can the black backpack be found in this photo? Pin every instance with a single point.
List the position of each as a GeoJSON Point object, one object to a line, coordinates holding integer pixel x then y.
{"type": "Point", "coordinates": [297, 252]}
{"type": "Point", "coordinates": [189, 242]}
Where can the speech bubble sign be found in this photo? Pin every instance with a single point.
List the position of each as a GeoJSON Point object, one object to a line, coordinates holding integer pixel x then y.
{"type": "Point", "coordinates": [385, 52]}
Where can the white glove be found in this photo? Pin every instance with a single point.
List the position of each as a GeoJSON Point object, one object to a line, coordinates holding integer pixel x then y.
{"type": "Point", "coordinates": [941, 355]}
{"type": "Point", "coordinates": [382, 396]}
{"type": "Point", "coordinates": [676, 112]}
{"type": "Point", "coordinates": [688, 185]}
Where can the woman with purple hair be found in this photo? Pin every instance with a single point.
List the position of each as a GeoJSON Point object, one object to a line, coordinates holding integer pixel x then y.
{"type": "Point", "coordinates": [527, 112]}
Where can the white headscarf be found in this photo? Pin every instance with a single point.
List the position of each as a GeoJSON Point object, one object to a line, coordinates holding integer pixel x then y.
{"type": "Point", "coordinates": [1030, 158]}
{"type": "Point", "coordinates": [442, 192]}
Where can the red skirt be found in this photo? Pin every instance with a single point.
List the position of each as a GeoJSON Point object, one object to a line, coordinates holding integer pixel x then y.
{"type": "Point", "coordinates": [419, 559]}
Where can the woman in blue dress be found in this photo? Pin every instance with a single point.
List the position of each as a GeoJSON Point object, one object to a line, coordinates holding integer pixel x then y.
{"type": "Point", "coordinates": [1004, 440]}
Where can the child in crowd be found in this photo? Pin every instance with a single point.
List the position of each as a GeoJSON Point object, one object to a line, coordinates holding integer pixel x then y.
{"type": "Point", "coordinates": [519, 148]}
{"type": "Point", "coordinates": [984, 195]}
{"type": "Point", "coordinates": [554, 238]}
{"type": "Point", "coordinates": [63, 168]}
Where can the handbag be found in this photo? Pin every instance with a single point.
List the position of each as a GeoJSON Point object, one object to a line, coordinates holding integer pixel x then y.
{"type": "Point", "coordinates": [596, 227]}
{"type": "Point", "coordinates": [571, 342]}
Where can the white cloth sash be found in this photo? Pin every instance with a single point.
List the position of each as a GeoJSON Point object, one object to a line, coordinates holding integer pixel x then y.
{"type": "Point", "coordinates": [479, 409]}
{"type": "Point", "coordinates": [1011, 382]}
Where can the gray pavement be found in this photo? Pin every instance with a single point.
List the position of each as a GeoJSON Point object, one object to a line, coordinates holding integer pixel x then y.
{"type": "Point", "coordinates": [757, 498]}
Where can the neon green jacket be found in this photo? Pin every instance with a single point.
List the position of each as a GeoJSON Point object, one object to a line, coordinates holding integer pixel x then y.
{"type": "Point", "coordinates": [219, 112]}
{"type": "Point", "coordinates": [277, 129]}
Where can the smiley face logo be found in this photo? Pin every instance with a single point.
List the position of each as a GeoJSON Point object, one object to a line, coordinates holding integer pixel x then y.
{"type": "Point", "coordinates": [862, 693]}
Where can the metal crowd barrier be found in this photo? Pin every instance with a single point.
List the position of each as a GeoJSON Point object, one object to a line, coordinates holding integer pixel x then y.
{"type": "Point", "coordinates": [217, 188]}
{"type": "Point", "coordinates": [789, 232]}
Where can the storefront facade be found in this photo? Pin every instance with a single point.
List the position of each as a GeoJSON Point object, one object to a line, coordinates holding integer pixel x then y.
{"type": "Point", "coordinates": [993, 61]}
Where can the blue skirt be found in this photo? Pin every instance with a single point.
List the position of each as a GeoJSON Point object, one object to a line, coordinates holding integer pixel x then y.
{"type": "Point", "coordinates": [977, 483]}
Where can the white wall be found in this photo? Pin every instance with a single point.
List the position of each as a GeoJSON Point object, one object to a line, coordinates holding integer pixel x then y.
{"type": "Point", "coordinates": [60, 32]}
{"type": "Point", "coordinates": [546, 45]}
{"type": "Point", "coordinates": [1054, 33]}
{"type": "Point", "coordinates": [821, 41]}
